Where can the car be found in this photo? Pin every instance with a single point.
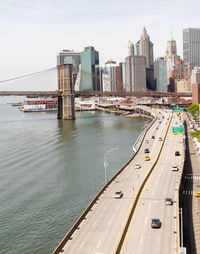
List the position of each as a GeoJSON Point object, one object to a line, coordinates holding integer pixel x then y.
{"type": "Point", "coordinates": [156, 128]}
{"type": "Point", "coordinates": [118, 194]}
{"type": "Point", "coordinates": [146, 141]}
{"type": "Point", "coordinates": [153, 137]}
{"type": "Point", "coordinates": [146, 150]}
{"type": "Point", "coordinates": [155, 223]}
{"type": "Point", "coordinates": [160, 139]}
{"type": "Point", "coordinates": [168, 201]}
{"type": "Point", "coordinates": [177, 153]}
{"type": "Point", "coordinates": [147, 158]}
{"type": "Point", "coordinates": [160, 122]}
{"type": "Point", "coordinates": [137, 166]}
{"type": "Point", "coordinates": [198, 194]}
{"type": "Point", "coordinates": [174, 167]}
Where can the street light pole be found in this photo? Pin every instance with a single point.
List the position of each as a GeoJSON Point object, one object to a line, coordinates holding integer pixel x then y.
{"type": "Point", "coordinates": [106, 163]}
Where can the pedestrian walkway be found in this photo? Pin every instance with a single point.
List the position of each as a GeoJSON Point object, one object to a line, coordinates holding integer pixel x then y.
{"type": "Point", "coordinates": [195, 177]}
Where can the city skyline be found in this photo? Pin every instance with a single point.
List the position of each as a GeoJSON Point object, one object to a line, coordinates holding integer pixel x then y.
{"type": "Point", "coordinates": [33, 32]}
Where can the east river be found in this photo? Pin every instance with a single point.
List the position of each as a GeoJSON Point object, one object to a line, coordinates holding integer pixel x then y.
{"type": "Point", "coordinates": [51, 169]}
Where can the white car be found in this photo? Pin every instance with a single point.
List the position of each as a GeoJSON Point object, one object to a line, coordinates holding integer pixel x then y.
{"type": "Point", "coordinates": [174, 168]}
{"type": "Point", "coordinates": [137, 166]}
{"type": "Point", "coordinates": [146, 141]}
{"type": "Point", "coordinates": [118, 194]}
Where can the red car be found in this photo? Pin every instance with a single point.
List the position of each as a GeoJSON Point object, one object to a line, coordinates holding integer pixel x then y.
{"type": "Point", "coordinates": [168, 201]}
{"type": "Point", "coordinates": [155, 223]}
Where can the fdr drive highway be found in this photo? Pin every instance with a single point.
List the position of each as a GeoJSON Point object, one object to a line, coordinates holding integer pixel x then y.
{"type": "Point", "coordinates": [124, 225]}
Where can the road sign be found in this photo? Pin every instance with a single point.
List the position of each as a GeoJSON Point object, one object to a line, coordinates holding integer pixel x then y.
{"type": "Point", "coordinates": [178, 110]}
{"type": "Point", "coordinates": [177, 129]}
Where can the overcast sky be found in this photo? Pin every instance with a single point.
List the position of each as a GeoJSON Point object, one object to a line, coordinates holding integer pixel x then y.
{"type": "Point", "coordinates": [33, 31]}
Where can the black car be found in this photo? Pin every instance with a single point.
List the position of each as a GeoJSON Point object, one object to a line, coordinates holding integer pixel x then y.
{"type": "Point", "coordinates": [177, 153]}
{"type": "Point", "coordinates": [146, 150]}
{"type": "Point", "coordinates": [153, 137]}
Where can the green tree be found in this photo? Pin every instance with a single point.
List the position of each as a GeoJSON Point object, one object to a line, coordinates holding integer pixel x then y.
{"type": "Point", "coordinates": [193, 109]}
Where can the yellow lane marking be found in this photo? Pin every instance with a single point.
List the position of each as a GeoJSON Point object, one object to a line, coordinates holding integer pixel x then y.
{"type": "Point", "coordinates": [147, 177]}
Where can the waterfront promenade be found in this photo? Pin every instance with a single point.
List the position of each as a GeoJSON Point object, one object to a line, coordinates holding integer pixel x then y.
{"type": "Point", "coordinates": [109, 223]}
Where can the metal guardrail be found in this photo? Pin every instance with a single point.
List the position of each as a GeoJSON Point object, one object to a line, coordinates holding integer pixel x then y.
{"type": "Point", "coordinates": [92, 203]}
{"type": "Point", "coordinates": [139, 139]}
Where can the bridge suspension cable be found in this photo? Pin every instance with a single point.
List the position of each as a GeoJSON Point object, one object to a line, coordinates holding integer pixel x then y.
{"type": "Point", "coordinates": [28, 75]}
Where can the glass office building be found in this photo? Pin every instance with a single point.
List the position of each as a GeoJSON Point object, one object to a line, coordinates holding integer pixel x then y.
{"type": "Point", "coordinates": [191, 47]}
{"type": "Point", "coordinates": [160, 74]}
{"type": "Point", "coordinates": [90, 80]}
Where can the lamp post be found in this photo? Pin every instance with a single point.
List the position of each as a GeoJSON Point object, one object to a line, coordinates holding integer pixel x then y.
{"type": "Point", "coordinates": [106, 163]}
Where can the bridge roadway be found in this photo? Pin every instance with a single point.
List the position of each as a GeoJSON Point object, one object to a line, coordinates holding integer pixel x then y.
{"type": "Point", "coordinates": [101, 229]}
{"type": "Point", "coordinates": [147, 93]}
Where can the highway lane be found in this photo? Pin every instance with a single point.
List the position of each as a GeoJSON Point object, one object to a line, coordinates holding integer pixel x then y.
{"type": "Point", "coordinates": [163, 182]}
{"type": "Point", "coordinates": [101, 227]}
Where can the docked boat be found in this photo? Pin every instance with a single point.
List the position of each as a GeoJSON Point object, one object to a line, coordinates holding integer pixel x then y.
{"type": "Point", "coordinates": [40, 105]}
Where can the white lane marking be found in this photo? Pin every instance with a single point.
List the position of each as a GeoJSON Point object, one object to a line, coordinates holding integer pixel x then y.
{"type": "Point", "coordinates": [98, 244]}
{"type": "Point", "coordinates": [141, 239]}
{"type": "Point", "coordinates": [82, 244]}
{"type": "Point", "coordinates": [109, 223]}
{"type": "Point", "coordinates": [158, 240]}
{"type": "Point", "coordinates": [145, 220]}
{"type": "Point", "coordinates": [150, 205]}
{"type": "Point", "coordinates": [117, 207]}
{"type": "Point", "coordinates": [94, 223]}
{"type": "Point", "coordinates": [153, 192]}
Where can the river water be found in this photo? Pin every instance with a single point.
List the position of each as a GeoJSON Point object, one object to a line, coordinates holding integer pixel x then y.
{"type": "Point", "coordinates": [51, 169]}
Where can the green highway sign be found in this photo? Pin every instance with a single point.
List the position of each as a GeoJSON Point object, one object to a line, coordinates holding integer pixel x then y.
{"type": "Point", "coordinates": [178, 110]}
{"type": "Point", "coordinates": [177, 129]}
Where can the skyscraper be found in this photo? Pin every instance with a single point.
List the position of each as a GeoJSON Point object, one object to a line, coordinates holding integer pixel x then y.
{"type": "Point", "coordinates": [130, 49]}
{"type": "Point", "coordinates": [195, 82]}
{"type": "Point", "coordinates": [109, 76]}
{"type": "Point", "coordinates": [135, 73]}
{"type": "Point", "coordinates": [90, 69]}
{"type": "Point", "coordinates": [119, 78]}
{"type": "Point", "coordinates": [171, 56]}
{"type": "Point", "coordinates": [123, 65]}
{"type": "Point", "coordinates": [160, 74]}
{"type": "Point", "coordinates": [144, 47]}
{"type": "Point", "coordinates": [171, 46]}
{"type": "Point", "coordinates": [191, 47]}
{"type": "Point", "coordinates": [70, 57]}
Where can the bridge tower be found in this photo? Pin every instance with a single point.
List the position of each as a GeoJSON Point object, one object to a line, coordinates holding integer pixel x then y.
{"type": "Point", "coordinates": [66, 108]}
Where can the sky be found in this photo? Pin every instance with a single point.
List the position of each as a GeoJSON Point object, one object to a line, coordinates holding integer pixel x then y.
{"type": "Point", "coordinates": [32, 32]}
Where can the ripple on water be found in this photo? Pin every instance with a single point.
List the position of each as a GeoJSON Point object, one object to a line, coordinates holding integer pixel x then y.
{"type": "Point", "coordinates": [51, 169]}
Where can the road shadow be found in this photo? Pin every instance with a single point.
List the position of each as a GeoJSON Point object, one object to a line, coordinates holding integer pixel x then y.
{"type": "Point", "coordinates": [186, 200]}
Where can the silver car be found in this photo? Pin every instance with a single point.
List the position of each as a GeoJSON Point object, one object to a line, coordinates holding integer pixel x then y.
{"type": "Point", "coordinates": [174, 168]}
{"type": "Point", "coordinates": [118, 194]}
{"type": "Point", "coordinates": [137, 166]}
